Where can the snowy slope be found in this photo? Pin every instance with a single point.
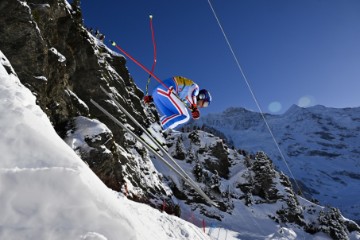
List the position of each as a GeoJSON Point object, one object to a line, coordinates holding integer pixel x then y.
{"type": "Point", "coordinates": [240, 220]}
{"type": "Point", "coordinates": [320, 145]}
{"type": "Point", "coordinates": [48, 192]}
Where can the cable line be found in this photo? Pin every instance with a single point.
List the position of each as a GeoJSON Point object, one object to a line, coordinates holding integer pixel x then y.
{"type": "Point", "coordinates": [253, 94]}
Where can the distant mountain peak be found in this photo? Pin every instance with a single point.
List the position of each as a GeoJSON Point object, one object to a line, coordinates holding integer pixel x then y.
{"type": "Point", "coordinates": [235, 110]}
{"type": "Point", "coordinates": [314, 140]}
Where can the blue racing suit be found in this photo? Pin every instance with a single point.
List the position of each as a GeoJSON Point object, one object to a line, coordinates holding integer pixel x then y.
{"type": "Point", "coordinates": [173, 102]}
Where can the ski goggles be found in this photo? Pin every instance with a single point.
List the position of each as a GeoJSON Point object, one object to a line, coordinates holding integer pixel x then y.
{"type": "Point", "coordinates": [203, 103]}
{"type": "Point", "coordinates": [203, 100]}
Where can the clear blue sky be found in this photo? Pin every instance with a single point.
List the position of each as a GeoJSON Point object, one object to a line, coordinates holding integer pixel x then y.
{"type": "Point", "coordinates": [303, 52]}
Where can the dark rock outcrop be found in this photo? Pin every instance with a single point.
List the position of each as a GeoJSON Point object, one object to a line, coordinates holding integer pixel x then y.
{"type": "Point", "coordinates": [64, 65]}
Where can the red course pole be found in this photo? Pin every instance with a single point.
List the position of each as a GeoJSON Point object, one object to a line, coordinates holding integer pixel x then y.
{"type": "Point", "coordinates": [164, 205]}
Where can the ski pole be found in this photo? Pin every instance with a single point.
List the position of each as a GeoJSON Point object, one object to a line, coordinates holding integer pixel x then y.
{"type": "Point", "coordinates": [145, 69]}
{"type": "Point", "coordinates": [139, 64]}
{"type": "Point", "coordinates": [155, 60]}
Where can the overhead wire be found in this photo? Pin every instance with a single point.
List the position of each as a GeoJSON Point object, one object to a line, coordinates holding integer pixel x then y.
{"type": "Point", "coordinates": [253, 95]}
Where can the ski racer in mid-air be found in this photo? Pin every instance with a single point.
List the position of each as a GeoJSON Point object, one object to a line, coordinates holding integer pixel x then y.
{"type": "Point", "coordinates": [174, 97]}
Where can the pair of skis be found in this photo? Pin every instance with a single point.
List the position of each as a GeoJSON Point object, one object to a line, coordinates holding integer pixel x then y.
{"type": "Point", "coordinates": [175, 167]}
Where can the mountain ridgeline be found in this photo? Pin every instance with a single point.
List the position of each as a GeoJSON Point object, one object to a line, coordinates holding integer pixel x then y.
{"type": "Point", "coordinates": [63, 65]}
{"type": "Point", "coordinates": [320, 146]}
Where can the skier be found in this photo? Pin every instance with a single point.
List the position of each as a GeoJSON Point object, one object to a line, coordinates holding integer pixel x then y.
{"type": "Point", "coordinates": [174, 97]}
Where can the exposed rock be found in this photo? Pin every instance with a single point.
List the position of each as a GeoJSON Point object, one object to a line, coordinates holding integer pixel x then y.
{"type": "Point", "coordinates": [64, 65]}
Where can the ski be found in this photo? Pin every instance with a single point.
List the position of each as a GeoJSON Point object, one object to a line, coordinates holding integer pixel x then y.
{"type": "Point", "coordinates": [151, 137]}
{"type": "Point", "coordinates": [155, 152]}
{"type": "Point", "coordinates": [144, 130]}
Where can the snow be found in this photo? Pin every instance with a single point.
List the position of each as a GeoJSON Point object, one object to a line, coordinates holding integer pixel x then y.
{"type": "Point", "coordinates": [48, 192]}
{"type": "Point", "coordinates": [303, 135]}
{"type": "Point", "coordinates": [68, 6]}
{"type": "Point", "coordinates": [43, 6]}
{"type": "Point", "coordinates": [41, 78]}
{"type": "Point", "coordinates": [86, 129]}
{"type": "Point", "coordinates": [241, 222]}
{"type": "Point", "coordinates": [61, 58]}
{"type": "Point", "coordinates": [100, 44]}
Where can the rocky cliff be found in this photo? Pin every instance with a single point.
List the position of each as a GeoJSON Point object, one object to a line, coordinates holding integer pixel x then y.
{"type": "Point", "coordinates": [64, 66]}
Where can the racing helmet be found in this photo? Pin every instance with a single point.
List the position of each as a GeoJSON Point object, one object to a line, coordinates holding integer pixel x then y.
{"type": "Point", "coordinates": [204, 97]}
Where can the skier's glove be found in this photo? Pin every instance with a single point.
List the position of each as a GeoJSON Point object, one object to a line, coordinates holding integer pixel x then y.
{"type": "Point", "coordinates": [193, 107]}
{"type": "Point", "coordinates": [148, 99]}
{"type": "Point", "coordinates": [195, 113]}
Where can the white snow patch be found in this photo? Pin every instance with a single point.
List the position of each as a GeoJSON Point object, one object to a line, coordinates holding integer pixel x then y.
{"type": "Point", "coordinates": [42, 78]}
{"type": "Point", "coordinates": [85, 128]}
{"type": "Point", "coordinates": [61, 58]}
{"type": "Point", "coordinates": [68, 5]}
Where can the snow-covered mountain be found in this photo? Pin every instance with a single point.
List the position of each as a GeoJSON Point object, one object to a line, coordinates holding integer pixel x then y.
{"type": "Point", "coordinates": [320, 145]}
{"type": "Point", "coordinates": [48, 192]}
{"type": "Point", "coordinates": [68, 172]}
{"type": "Point", "coordinates": [254, 198]}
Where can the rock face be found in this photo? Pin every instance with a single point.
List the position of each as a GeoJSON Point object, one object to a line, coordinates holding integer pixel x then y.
{"type": "Point", "coordinates": [64, 65]}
